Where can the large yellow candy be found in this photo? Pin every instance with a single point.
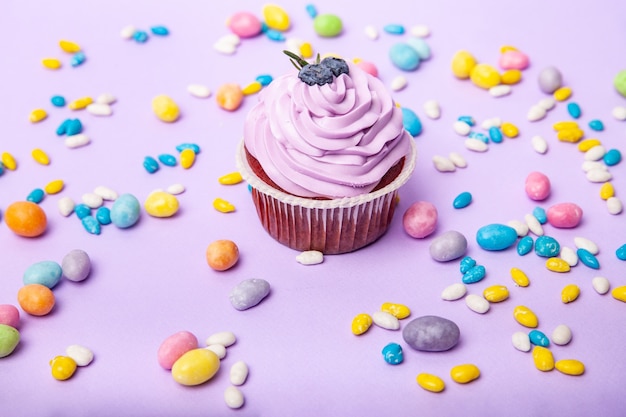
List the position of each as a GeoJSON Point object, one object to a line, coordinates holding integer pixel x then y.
{"type": "Point", "coordinates": [496, 293]}
{"type": "Point", "coordinates": [519, 277]}
{"type": "Point", "coordinates": [165, 108]}
{"type": "Point", "coordinates": [361, 323]}
{"type": "Point", "coordinates": [276, 17]}
{"type": "Point", "coordinates": [557, 265]}
{"type": "Point", "coordinates": [565, 125]}
{"type": "Point", "coordinates": [62, 367]}
{"type": "Point", "coordinates": [525, 316]}
{"type": "Point", "coordinates": [399, 311]}
{"type": "Point", "coordinates": [161, 204]}
{"type": "Point", "coordinates": [464, 373]}
{"type": "Point", "coordinates": [430, 382]}
{"type": "Point", "coordinates": [543, 358]}
{"type": "Point", "coordinates": [619, 293]}
{"type": "Point", "coordinates": [462, 64]}
{"type": "Point", "coordinates": [195, 367]}
{"type": "Point", "coordinates": [8, 161]}
{"type": "Point", "coordinates": [187, 158]}
{"type": "Point", "coordinates": [570, 293]}
{"type": "Point", "coordinates": [570, 367]}
{"type": "Point", "coordinates": [570, 135]}
{"type": "Point", "coordinates": [485, 76]}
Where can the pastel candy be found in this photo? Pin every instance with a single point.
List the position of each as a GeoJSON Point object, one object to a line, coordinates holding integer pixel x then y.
{"type": "Point", "coordinates": [125, 211]}
{"type": "Point", "coordinates": [448, 246]}
{"type": "Point", "coordinates": [431, 334]}
{"type": "Point", "coordinates": [392, 353]}
{"type": "Point", "coordinates": [550, 80]}
{"type": "Point", "coordinates": [513, 59]}
{"type": "Point", "coordinates": [547, 246]}
{"type": "Point", "coordinates": [9, 338]}
{"type": "Point", "coordinates": [564, 215]}
{"type": "Point", "coordinates": [495, 237]}
{"type": "Point", "coordinates": [46, 273]}
{"type": "Point", "coordinates": [404, 57]}
{"type": "Point", "coordinates": [411, 122]}
{"type": "Point", "coordinates": [244, 24]}
{"type": "Point", "coordinates": [9, 315]}
{"type": "Point", "coordinates": [76, 265]}
{"type": "Point", "coordinates": [420, 219]}
{"type": "Point", "coordinates": [195, 367]}
{"type": "Point", "coordinates": [537, 186]}
{"type": "Point", "coordinates": [620, 82]}
{"type": "Point", "coordinates": [327, 25]}
{"type": "Point", "coordinates": [420, 46]}
{"type": "Point", "coordinates": [249, 293]}
{"type": "Point", "coordinates": [174, 347]}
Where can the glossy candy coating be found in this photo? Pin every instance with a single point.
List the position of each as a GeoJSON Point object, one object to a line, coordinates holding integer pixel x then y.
{"type": "Point", "coordinates": [161, 204]}
{"type": "Point", "coordinates": [400, 311]}
{"type": "Point", "coordinates": [570, 293]}
{"type": "Point", "coordinates": [26, 219]}
{"type": "Point", "coordinates": [572, 367]}
{"type": "Point", "coordinates": [150, 164]}
{"type": "Point", "coordinates": [411, 122]}
{"type": "Point", "coordinates": [543, 358]}
{"type": "Point", "coordinates": [557, 265]}
{"type": "Point", "coordinates": [462, 64]}
{"type": "Point", "coordinates": [244, 24]}
{"type": "Point", "coordinates": [392, 353]}
{"type": "Point", "coordinates": [519, 277]}
{"type": "Point", "coordinates": [525, 245]}
{"type": "Point", "coordinates": [465, 373]}
{"type": "Point", "coordinates": [547, 247]}
{"type": "Point", "coordinates": [537, 338]}
{"type": "Point", "coordinates": [496, 293]}
{"type": "Point", "coordinates": [496, 237]}
{"type": "Point", "coordinates": [588, 258]}
{"type": "Point", "coordinates": [462, 200]}
{"type": "Point", "coordinates": [550, 79]}
{"type": "Point", "coordinates": [195, 367]}
{"type": "Point", "coordinates": [537, 186]}
{"type": "Point", "coordinates": [564, 215]}
{"type": "Point", "coordinates": [430, 382]}
{"type": "Point", "coordinates": [525, 316]}
{"type": "Point", "coordinates": [474, 274]}
{"type": "Point", "coordinates": [276, 17]}
{"type": "Point", "coordinates": [327, 25]}
{"type": "Point", "coordinates": [485, 76]}
{"type": "Point", "coordinates": [361, 323]}
{"type": "Point", "coordinates": [165, 108]}
{"type": "Point", "coordinates": [62, 367]}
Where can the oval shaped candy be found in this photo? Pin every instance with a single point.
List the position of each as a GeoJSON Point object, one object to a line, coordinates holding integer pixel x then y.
{"type": "Point", "coordinates": [47, 273]}
{"type": "Point", "coordinates": [9, 339]}
{"type": "Point", "coordinates": [195, 367]}
{"type": "Point", "coordinates": [404, 57]}
{"type": "Point", "coordinates": [244, 24]}
{"type": "Point", "coordinates": [392, 353]}
{"type": "Point", "coordinates": [537, 338]}
{"type": "Point", "coordinates": [175, 346]}
{"type": "Point", "coordinates": [537, 186]}
{"type": "Point", "coordinates": [495, 237]}
{"type": "Point", "coordinates": [431, 334]}
{"type": "Point", "coordinates": [420, 219]}
{"type": "Point", "coordinates": [525, 245]}
{"type": "Point", "coordinates": [76, 265]}
{"type": "Point", "coordinates": [448, 246]}
{"type": "Point", "coordinates": [249, 293]}
{"type": "Point", "coordinates": [125, 211]}
{"type": "Point", "coordinates": [464, 373]}
{"type": "Point", "coordinates": [564, 215]}
{"type": "Point", "coordinates": [327, 25]}
{"type": "Point", "coordinates": [550, 80]}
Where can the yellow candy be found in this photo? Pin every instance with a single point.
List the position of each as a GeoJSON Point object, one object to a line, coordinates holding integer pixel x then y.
{"type": "Point", "coordinates": [37, 115]}
{"type": "Point", "coordinates": [63, 367]}
{"type": "Point", "coordinates": [430, 382]}
{"type": "Point", "coordinates": [570, 367]}
{"type": "Point", "coordinates": [557, 265]}
{"type": "Point", "coordinates": [230, 179]}
{"type": "Point", "coordinates": [69, 46]}
{"type": "Point", "coordinates": [496, 293]}
{"type": "Point", "coordinates": [161, 204]}
{"type": "Point", "coordinates": [543, 358]}
{"type": "Point", "coordinates": [587, 144]}
{"type": "Point", "coordinates": [223, 206]}
{"type": "Point", "coordinates": [165, 108]}
{"type": "Point", "coordinates": [54, 187]}
{"type": "Point", "coordinates": [507, 48]}
{"type": "Point", "coordinates": [464, 373]}
{"type": "Point", "coordinates": [195, 367]}
{"type": "Point", "coordinates": [565, 125]}
{"type": "Point", "coordinates": [485, 76]}
{"type": "Point", "coordinates": [399, 311]}
{"type": "Point", "coordinates": [519, 277]}
{"type": "Point", "coordinates": [80, 103]}
{"type": "Point", "coordinates": [570, 135]}
{"type": "Point", "coordinates": [252, 88]}
{"type": "Point", "coordinates": [512, 76]}
{"type": "Point", "coordinates": [525, 316]}
{"type": "Point", "coordinates": [570, 293]}
{"type": "Point", "coordinates": [40, 157]}
{"type": "Point", "coordinates": [51, 63]}
{"type": "Point", "coordinates": [462, 64]}
{"type": "Point", "coordinates": [361, 323]}
{"type": "Point", "coordinates": [562, 94]}
{"type": "Point", "coordinates": [275, 17]}
{"type": "Point", "coordinates": [187, 158]}
{"type": "Point", "coordinates": [619, 293]}
{"type": "Point", "coordinates": [306, 50]}
{"type": "Point", "coordinates": [607, 191]}
{"type": "Point", "coordinates": [509, 130]}
{"type": "Point", "coordinates": [8, 161]}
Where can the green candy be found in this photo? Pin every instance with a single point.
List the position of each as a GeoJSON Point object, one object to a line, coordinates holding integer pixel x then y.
{"type": "Point", "coordinates": [327, 25]}
{"type": "Point", "coordinates": [9, 338]}
{"type": "Point", "coordinates": [620, 82]}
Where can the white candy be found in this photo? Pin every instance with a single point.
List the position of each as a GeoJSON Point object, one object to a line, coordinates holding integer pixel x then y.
{"type": "Point", "coordinates": [601, 285]}
{"type": "Point", "coordinates": [310, 257]}
{"type": "Point", "coordinates": [398, 83]}
{"type": "Point", "coordinates": [521, 341]}
{"type": "Point", "coordinates": [536, 113]}
{"type": "Point", "coordinates": [233, 397]}
{"type": "Point", "coordinates": [222, 338]}
{"type": "Point", "coordinates": [561, 335]}
{"type": "Point", "coordinates": [595, 153]}
{"type": "Point", "coordinates": [81, 355]}
{"type": "Point", "coordinates": [293, 45]}
{"type": "Point", "coordinates": [584, 243]}
{"type": "Point", "coordinates": [477, 304]}
{"type": "Point", "coordinates": [76, 141]}
{"type": "Point", "coordinates": [385, 320]}
{"type": "Point", "coordinates": [614, 205]}
{"type": "Point", "coordinates": [99, 109]}
{"type": "Point", "coordinates": [493, 122]}
{"type": "Point", "coordinates": [420, 31]}
{"type": "Point", "coordinates": [539, 144]}
{"type": "Point", "coordinates": [454, 292]}
{"type": "Point", "coordinates": [92, 200]}
{"type": "Point", "coordinates": [569, 255]}
{"type": "Point", "coordinates": [619, 113]}
{"type": "Point", "coordinates": [500, 90]}
{"type": "Point", "coordinates": [198, 90]}
{"type": "Point", "coordinates": [461, 128]}
{"type": "Point", "coordinates": [476, 145]}
{"type": "Point", "coordinates": [175, 189]}
{"type": "Point", "coordinates": [547, 103]}
{"type": "Point", "coordinates": [443, 164]}
{"type": "Point", "coordinates": [227, 44]}
{"type": "Point", "coordinates": [66, 206]}
{"type": "Point", "coordinates": [457, 159]}
{"type": "Point", "coordinates": [598, 175]}
{"type": "Point", "coordinates": [533, 224]}
{"type": "Point", "coordinates": [521, 228]}
{"type": "Point", "coordinates": [105, 192]}
{"type": "Point", "coordinates": [219, 350]}
{"type": "Point", "coordinates": [127, 32]}
{"type": "Point", "coordinates": [106, 98]}
{"type": "Point", "coordinates": [238, 373]}
{"type": "Point", "coordinates": [432, 109]}
{"type": "Point", "coordinates": [589, 165]}
{"type": "Point", "coordinates": [371, 32]}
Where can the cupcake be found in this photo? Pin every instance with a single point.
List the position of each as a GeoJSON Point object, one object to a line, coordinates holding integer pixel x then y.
{"type": "Point", "coordinates": [325, 152]}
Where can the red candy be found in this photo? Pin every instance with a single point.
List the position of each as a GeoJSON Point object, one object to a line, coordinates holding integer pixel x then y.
{"type": "Point", "coordinates": [174, 347]}
{"type": "Point", "coordinates": [420, 220]}
{"type": "Point", "coordinates": [537, 186]}
{"type": "Point", "coordinates": [564, 215]}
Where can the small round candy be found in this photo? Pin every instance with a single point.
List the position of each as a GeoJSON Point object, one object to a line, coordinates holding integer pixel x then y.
{"type": "Point", "coordinates": [36, 299]}
{"type": "Point", "coordinates": [165, 108]}
{"type": "Point", "coordinates": [174, 347]}
{"type": "Point", "coordinates": [161, 204]}
{"type": "Point", "coordinates": [537, 186]}
{"type": "Point", "coordinates": [76, 265]}
{"type": "Point", "coordinates": [25, 218]}
{"type": "Point", "coordinates": [62, 367]}
{"type": "Point", "coordinates": [327, 25]}
{"type": "Point", "coordinates": [244, 24]}
{"type": "Point", "coordinates": [229, 96]}
{"type": "Point", "coordinates": [276, 17]}
{"type": "Point", "coordinates": [222, 254]}
{"type": "Point", "coordinates": [9, 339]}
{"type": "Point", "coordinates": [550, 80]}
{"type": "Point", "coordinates": [420, 219]}
{"type": "Point", "coordinates": [125, 211]}
{"type": "Point", "coordinates": [462, 64]}
{"type": "Point", "coordinates": [58, 101]}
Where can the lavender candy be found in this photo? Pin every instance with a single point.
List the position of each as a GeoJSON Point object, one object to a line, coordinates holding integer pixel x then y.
{"type": "Point", "coordinates": [249, 293]}
{"type": "Point", "coordinates": [431, 334]}
{"type": "Point", "coordinates": [448, 246]}
{"type": "Point", "coordinates": [76, 265]}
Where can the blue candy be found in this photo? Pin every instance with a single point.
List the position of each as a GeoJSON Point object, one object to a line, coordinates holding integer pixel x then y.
{"type": "Point", "coordinates": [475, 274]}
{"type": "Point", "coordinates": [496, 237]}
{"type": "Point", "coordinates": [82, 210]}
{"type": "Point", "coordinates": [420, 46]}
{"type": "Point", "coordinates": [467, 119]}
{"type": "Point", "coordinates": [540, 214]}
{"type": "Point", "coordinates": [91, 225]}
{"type": "Point", "coordinates": [160, 30]}
{"type": "Point", "coordinates": [495, 134]}
{"type": "Point", "coordinates": [125, 211]}
{"type": "Point", "coordinates": [150, 164]}
{"type": "Point", "coordinates": [1, 168]}
{"type": "Point", "coordinates": [547, 247]}
{"type": "Point", "coordinates": [467, 263]}
{"type": "Point", "coordinates": [596, 125]}
{"type": "Point", "coordinates": [140, 36]}
{"type": "Point", "coordinates": [612, 157]}
{"type": "Point", "coordinates": [411, 122]}
{"type": "Point", "coordinates": [462, 200]}
{"type": "Point", "coordinates": [537, 338]}
{"type": "Point", "coordinates": [58, 101]}
{"type": "Point", "coordinates": [62, 129]}
{"type": "Point", "coordinates": [46, 273]}
{"type": "Point", "coordinates": [525, 245]}
{"type": "Point", "coordinates": [167, 159]}
{"type": "Point", "coordinates": [574, 110]}
{"type": "Point", "coordinates": [78, 59]}
{"type": "Point", "coordinates": [392, 353]}
{"type": "Point", "coordinates": [311, 10]}
{"type": "Point", "coordinates": [394, 29]}
{"type": "Point", "coordinates": [103, 215]}
{"type": "Point", "coordinates": [588, 258]}
{"type": "Point", "coordinates": [275, 35]}
{"type": "Point", "coordinates": [404, 57]}
{"type": "Point", "coordinates": [195, 148]}
{"type": "Point", "coordinates": [621, 252]}
{"type": "Point", "coordinates": [478, 135]}
{"type": "Point", "coordinates": [36, 196]}
{"type": "Point", "coordinates": [264, 80]}
{"type": "Point", "coordinates": [73, 127]}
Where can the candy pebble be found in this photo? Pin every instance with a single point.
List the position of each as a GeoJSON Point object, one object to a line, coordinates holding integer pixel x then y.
{"type": "Point", "coordinates": [51, 63]}
{"type": "Point", "coordinates": [540, 214]}
{"type": "Point", "coordinates": [76, 265]}
{"type": "Point", "coordinates": [371, 32]}
{"type": "Point", "coordinates": [36, 196]}
{"type": "Point", "coordinates": [8, 161]}
{"type": "Point", "coordinates": [76, 141]}
{"type": "Point", "coordinates": [448, 246]}
{"type": "Point", "coordinates": [399, 311]}
{"type": "Point", "coordinates": [570, 367]}
{"type": "Point", "coordinates": [91, 225]}
{"type": "Point", "coordinates": [276, 17]}
{"type": "Point", "coordinates": [165, 108]}
{"type": "Point", "coordinates": [9, 315]}
{"type": "Point", "coordinates": [564, 215]}
{"type": "Point", "coordinates": [82, 355]}
{"type": "Point", "coordinates": [105, 193]}
{"type": "Point", "coordinates": [99, 109]}
{"type": "Point", "coordinates": [37, 115]}
{"type": "Point", "coordinates": [619, 293]}
{"type": "Point", "coordinates": [457, 159]}
{"type": "Point", "coordinates": [587, 244]}
{"type": "Point", "coordinates": [496, 293]}
{"type": "Point", "coordinates": [519, 277]}
{"type": "Point", "coordinates": [161, 204]}
{"type": "Point", "coordinates": [195, 367]}
{"type": "Point", "coordinates": [431, 334]}
{"type": "Point", "coordinates": [430, 382]}
{"type": "Point", "coordinates": [127, 32]}
{"type": "Point", "coordinates": [520, 227]}
{"type": "Point", "coordinates": [601, 285]}
{"type": "Point", "coordinates": [525, 316]}
{"type": "Point", "coordinates": [496, 237]}
{"type": "Point", "coordinates": [264, 79]}
{"type": "Point", "coordinates": [619, 82]}
{"type": "Point", "coordinates": [500, 90]}
{"type": "Point", "coordinates": [175, 346]}
{"type": "Point", "coordinates": [614, 205]}
{"type": "Point", "coordinates": [36, 299]}
{"type": "Point", "coordinates": [420, 219]}
{"type": "Point", "coordinates": [47, 273]}
{"type": "Point", "coordinates": [513, 59]}
{"type": "Point", "coordinates": [125, 211]}
{"type": "Point", "coordinates": [62, 368]}
{"type": "Point", "coordinates": [621, 252]}
{"type": "Point", "coordinates": [233, 397]}
{"type": "Point", "coordinates": [547, 247]}
{"type": "Point", "coordinates": [9, 339]}
{"type": "Point", "coordinates": [550, 80]}
{"type": "Point", "coordinates": [92, 200]}
{"type": "Point", "coordinates": [223, 206]}
{"type": "Point", "coordinates": [587, 144]}
{"type": "Point", "coordinates": [411, 122]}
{"type": "Point", "coordinates": [392, 353]}
{"type": "Point", "coordinates": [509, 130]}
{"type": "Point", "coordinates": [26, 219]}
{"type": "Point", "coordinates": [238, 373]}
{"type": "Point", "coordinates": [476, 145]}
{"type": "Point", "coordinates": [80, 103]}
{"type": "Point", "coordinates": [477, 304]}
{"type": "Point", "coordinates": [198, 90]}
{"type": "Point", "coordinates": [167, 159]}
{"type": "Point", "coordinates": [561, 335]}
{"type": "Point", "coordinates": [485, 76]}
{"type": "Point", "coordinates": [588, 258]}
{"type": "Point", "coordinates": [574, 110]}
{"type": "Point", "coordinates": [443, 164]}
{"type": "Point", "coordinates": [229, 96]}
{"type": "Point", "coordinates": [225, 338]}
{"type": "Point", "coordinates": [368, 67]}
{"type": "Point", "coordinates": [310, 257]}
{"type": "Point", "coordinates": [596, 125]}
{"type": "Point", "coordinates": [432, 109]}
{"type": "Point", "coordinates": [40, 157]}
{"type": "Point", "coordinates": [244, 24]}
{"type": "Point", "coordinates": [562, 94]}
{"type": "Point", "coordinates": [159, 30]}
{"type": "Point", "coordinates": [557, 265]}
{"type": "Point", "coordinates": [462, 64]}
{"type": "Point", "coordinates": [462, 200]}
{"type": "Point", "coordinates": [57, 101]}
{"type": "Point", "coordinates": [420, 31]}
{"type": "Point", "coordinates": [537, 338]}
{"type": "Point", "coordinates": [327, 25]}
{"type": "Point", "coordinates": [222, 254]}
{"type": "Point", "coordinates": [619, 113]}
{"type": "Point", "coordinates": [140, 36]}
{"type": "Point", "coordinates": [461, 128]}
{"type": "Point", "coordinates": [474, 274]}
{"type": "Point", "coordinates": [420, 46]}
{"type": "Point", "coordinates": [385, 320]}
{"type": "Point", "coordinates": [361, 323]}
{"type": "Point", "coordinates": [612, 157]}
{"type": "Point", "coordinates": [521, 341]}
{"type": "Point", "coordinates": [231, 178]}
{"type": "Point", "coordinates": [66, 206]}
{"type": "Point", "coordinates": [465, 373]}
{"type": "Point", "coordinates": [105, 98]}
{"type": "Point", "coordinates": [466, 264]}
{"type": "Point", "coordinates": [404, 57]}
{"type": "Point", "coordinates": [78, 59]}
{"type": "Point", "coordinates": [82, 210]}
{"type": "Point", "coordinates": [249, 293]}
{"type": "Point", "coordinates": [543, 358]}
{"type": "Point", "coordinates": [394, 29]}
{"type": "Point", "coordinates": [537, 186]}
{"type": "Point", "coordinates": [454, 292]}
{"type": "Point", "coordinates": [512, 76]}
{"type": "Point", "coordinates": [533, 224]}
{"type": "Point", "coordinates": [274, 35]}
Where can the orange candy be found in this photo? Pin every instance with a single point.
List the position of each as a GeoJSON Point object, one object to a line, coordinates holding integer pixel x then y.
{"type": "Point", "coordinates": [35, 299]}
{"type": "Point", "coordinates": [222, 254]}
{"type": "Point", "coordinates": [26, 219]}
{"type": "Point", "coordinates": [229, 96]}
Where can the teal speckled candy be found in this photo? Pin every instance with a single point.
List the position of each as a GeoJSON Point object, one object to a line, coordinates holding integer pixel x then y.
{"type": "Point", "coordinates": [195, 148]}
{"type": "Point", "coordinates": [47, 273]}
{"type": "Point", "coordinates": [621, 252]}
{"type": "Point", "coordinates": [36, 196]}
{"type": "Point", "coordinates": [620, 82]}
{"type": "Point", "coordinates": [404, 57]}
{"type": "Point", "coordinates": [596, 125]}
{"type": "Point", "coordinates": [82, 210]}
{"type": "Point", "coordinates": [411, 122]}
{"type": "Point", "coordinates": [540, 214]}
{"type": "Point", "coordinates": [495, 134]}
{"type": "Point", "coordinates": [462, 200]}
{"type": "Point", "coordinates": [588, 258]}
{"type": "Point", "coordinates": [525, 245]}
{"type": "Point", "coordinates": [327, 25]}
{"type": "Point", "coordinates": [547, 247]}
{"type": "Point", "coordinates": [538, 338]}
{"type": "Point", "coordinates": [91, 225]}
{"type": "Point", "coordinates": [125, 211]}
{"type": "Point", "coordinates": [103, 215]}
{"type": "Point", "coordinates": [167, 159]}
{"type": "Point", "coordinates": [392, 353]}
{"type": "Point", "coordinates": [150, 164]}
{"type": "Point", "coordinates": [467, 263]}
{"type": "Point", "coordinates": [475, 274]}
{"type": "Point", "coordinates": [612, 157]}
{"type": "Point", "coordinates": [420, 46]}
{"type": "Point", "coordinates": [495, 237]}
{"type": "Point", "coordinates": [574, 110]}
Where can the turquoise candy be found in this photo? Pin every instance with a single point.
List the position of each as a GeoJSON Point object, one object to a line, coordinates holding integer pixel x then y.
{"type": "Point", "coordinates": [420, 46]}
{"type": "Point", "coordinates": [311, 10]}
{"type": "Point", "coordinates": [78, 59]}
{"type": "Point", "coordinates": [467, 119]}
{"type": "Point", "coordinates": [462, 200]}
{"type": "Point", "coordinates": [547, 247]}
{"type": "Point", "coordinates": [82, 210]}
{"type": "Point", "coordinates": [274, 35]}
{"type": "Point", "coordinates": [495, 134]}
{"type": "Point", "coordinates": [392, 353]}
{"type": "Point", "coordinates": [588, 258]}
{"type": "Point", "coordinates": [263, 79]}
{"type": "Point", "coordinates": [621, 252]}
{"type": "Point", "coordinates": [103, 215]}
{"type": "Point", "coordinates": [62, 129]}
{"type": "Point", "coordinates": [47, 273]}
{"type": "Point", "coordinates": [73, 127]}
{"type": "Point", "coordinates": [411, 122]}
{"type": "Point", "coordinates": [91, 225]}
{"type": "Point", "coordinates": [596, 125]}
{"type": "Point", "coordinates": [140, 36]}
{"type": "Point", "coordinates": [394, 29]}
{"type": "Point", "coordinates": [496, 237]}
{"type": "Point", "coordinates": [475, 274]}
{"type": "Point", "coordinates": [478, 135]}
{"type": "Point", "coordinates": [125, 211]}
{"type": "Point", "coordinates": [574, 110]}
{"type": "Point", "coordinates": [36, 196]}
{"type": "Point", "coordinates": [404, 57]}
{"type": "Point", "coordinates": [612, 157]}
{"type": "Point", "coordinates": [150, 164]}
{"type": "Point", "coordinates": [537, 338]}
{"type": "Point", "coordinates": [167, 159]}
{"type": "Point", "coordinates": [58, 101]}
{"type": "Point", "coordinates": [195, 148]}
{"type": "Point", "coordinates": [540, 215]}
{"type": "Point", "coordinates": [160, 30]}
{"type": "Point", "coordinates": [1, 168]}
{"type": "Point", "coordinates": [327, 25]}
{"type": "Point", "coordinates": [525, 245]}
{"type": "Point", "coordinates": [467, 263]}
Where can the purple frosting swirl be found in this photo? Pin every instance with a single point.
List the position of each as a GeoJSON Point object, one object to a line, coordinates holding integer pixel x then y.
{"type": "Point", "coordinates": [335, 140]}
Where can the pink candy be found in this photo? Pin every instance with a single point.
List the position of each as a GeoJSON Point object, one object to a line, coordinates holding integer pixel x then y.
{"type": "Point", "coordinates": [420, 220]}
{"type": "Point", "coordinates": [174, 347]}
{"type": "Point", "coordinates": [9, 315]}
{"type": "Point", "coordinates": [513, 60]}
{"type": "Point", "coordinates": [244, 24]}
{"type": "Point", "coordinates": [537, 186]}
{"type": "Point", "coordinates": [564, 215]}
{"type": "Point", "coordinates": [368, 67]}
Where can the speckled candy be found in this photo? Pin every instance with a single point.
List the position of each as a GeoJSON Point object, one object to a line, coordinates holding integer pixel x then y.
{"type": "Point", "coordinates": [244, 24]}
{"type": "Point", "coordinates": [9, 339]}
{"type": "Point", "coordinates": [174, 347]}
{"type": "Point", "coordinates": [420, 219]}
{"type": "Point", "coordinates": [125, 211]}
{"type": "Point", "coordinates": [495, 237]}
{"type": "Point", "coordinates": [392, 353]}
{"type": "Point", "coordinates": [448, 246]}
{"type": "Point", "coordinates": [9, 315]}
{"type": "Point", "coordinates": [431, 334]}
{"type": "Point", "coordinates": [537, 186]}
{"type": "Point", "coordinates": [249, 293]}
{"type": "Point", "coordinates": [550, 80]}
{"type": "Point", "coordinates": [547, 247]}
{"type": "Point", "coordinates": [47, 273]}
{"type": "Point", "coordinates": [76, 265]}
{"type": "Point", "coordinates": [564, 215]}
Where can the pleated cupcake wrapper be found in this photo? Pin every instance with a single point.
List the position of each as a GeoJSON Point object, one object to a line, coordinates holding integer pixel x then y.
{"type": "Point", "coordinates": [331, 226]}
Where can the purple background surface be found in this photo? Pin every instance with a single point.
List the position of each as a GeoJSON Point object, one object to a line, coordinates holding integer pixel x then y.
{"type": "Point", "coordinates": [152, 280]}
